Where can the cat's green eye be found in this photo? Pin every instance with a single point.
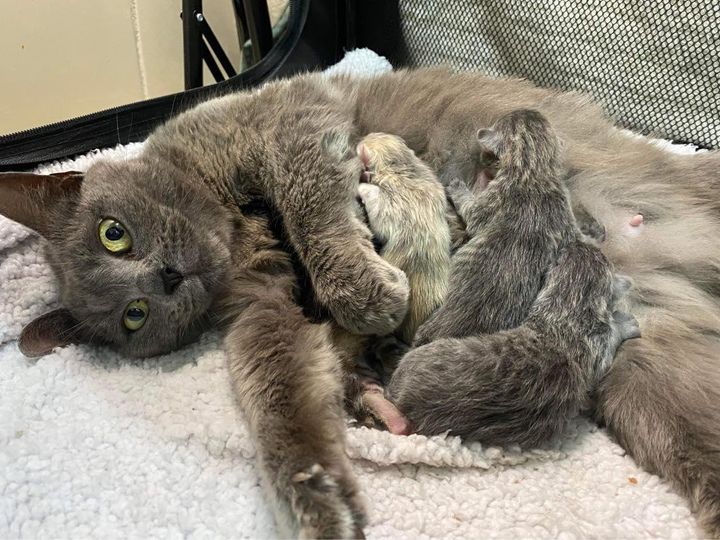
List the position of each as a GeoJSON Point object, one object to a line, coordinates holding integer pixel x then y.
{"type": "Point", "coordinates": [114, 236]}
{"type": "Point", "coordinates": [135, 315]}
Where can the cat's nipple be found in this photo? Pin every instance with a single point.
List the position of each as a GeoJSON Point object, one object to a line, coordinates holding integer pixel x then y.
{"type": "Point", "coordinates": [635, 226]}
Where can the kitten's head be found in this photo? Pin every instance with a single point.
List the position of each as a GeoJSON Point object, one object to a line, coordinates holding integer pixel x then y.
{"type": "Point", "coordinates": [381, 153]}
{"type": "Point", "coordinates": [139, 251]}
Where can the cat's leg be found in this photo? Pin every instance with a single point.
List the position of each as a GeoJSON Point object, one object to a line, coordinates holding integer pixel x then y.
{"type": "Point", "coordinates": [660, 400]}
{"type": "Point", "coordinates": [314, 188]}
{"type": "Point", "coordinates": [288, 381]}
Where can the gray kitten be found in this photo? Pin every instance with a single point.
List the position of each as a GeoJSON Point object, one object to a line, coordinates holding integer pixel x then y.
{"type": "Point", "coordinates": [517, 227]}
{"type": "Point", "coordinates": [265, 148]}
{"type": "Point", "coordinates": [521, 386]}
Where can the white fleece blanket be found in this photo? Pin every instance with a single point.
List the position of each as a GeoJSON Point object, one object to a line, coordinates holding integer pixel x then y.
{"type": "Point", "coordinates": [93, 445]}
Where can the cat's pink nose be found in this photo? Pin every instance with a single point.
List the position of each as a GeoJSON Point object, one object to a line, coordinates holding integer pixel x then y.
{"type": "Point", "coordinates": [171, 278]}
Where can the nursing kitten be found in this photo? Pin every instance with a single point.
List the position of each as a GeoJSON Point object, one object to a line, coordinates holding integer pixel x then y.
{"type": "Point", "coordinates": [406, 208]}
{"type": "Point", "coordinates": [659, 398]}
{"type": "Point", "coordinates": [517, 227]}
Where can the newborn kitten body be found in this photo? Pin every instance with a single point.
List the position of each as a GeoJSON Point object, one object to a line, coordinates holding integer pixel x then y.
{"type": "Point", "coordinates": [405, 207]}
{"type": "Point", "coordinates": [517, 226]}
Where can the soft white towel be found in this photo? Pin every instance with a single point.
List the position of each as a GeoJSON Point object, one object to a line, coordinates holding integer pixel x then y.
{"type": "Point", "coordinates": [96, 445]}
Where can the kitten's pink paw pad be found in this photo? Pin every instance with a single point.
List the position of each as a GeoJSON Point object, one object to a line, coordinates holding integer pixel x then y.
{"type": "Point", "coordinates": [375, 400]}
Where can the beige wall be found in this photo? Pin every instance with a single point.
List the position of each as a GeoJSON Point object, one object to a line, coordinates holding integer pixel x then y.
{"type": "Point", "coordinates": [65, 58]}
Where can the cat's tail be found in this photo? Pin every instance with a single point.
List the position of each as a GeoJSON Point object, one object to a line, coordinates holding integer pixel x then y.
{"type": "Point", "coordinates": [661, 397]}
{"type": "Point", "coordinates": [505, 388]}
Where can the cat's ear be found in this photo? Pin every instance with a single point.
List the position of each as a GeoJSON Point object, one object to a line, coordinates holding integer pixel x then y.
{"type": "Point", "coordinates": [30, 198]}
{"type": "Point", "coordinates": [54, 329]}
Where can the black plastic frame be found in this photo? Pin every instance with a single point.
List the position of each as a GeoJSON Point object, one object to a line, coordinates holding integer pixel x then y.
{"type": "Point", "coordinates": [316, 37]}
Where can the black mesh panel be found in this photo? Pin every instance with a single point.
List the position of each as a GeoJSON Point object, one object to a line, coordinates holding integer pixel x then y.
{"type": "Point", "coordinates": [654, 64]}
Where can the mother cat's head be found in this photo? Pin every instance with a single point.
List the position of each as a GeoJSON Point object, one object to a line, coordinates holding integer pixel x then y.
{"type": "Point", "coordinates": [139, 251]}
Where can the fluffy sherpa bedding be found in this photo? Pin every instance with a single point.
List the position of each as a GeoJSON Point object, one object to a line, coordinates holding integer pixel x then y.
{"type": "Point", "coordinates": [96, 445]}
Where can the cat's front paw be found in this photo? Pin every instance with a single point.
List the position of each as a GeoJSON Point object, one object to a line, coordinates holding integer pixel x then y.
{"type": "Point", "coordinates": [373, 301]}
{"type": "Point", "coordinates": [326, 505]}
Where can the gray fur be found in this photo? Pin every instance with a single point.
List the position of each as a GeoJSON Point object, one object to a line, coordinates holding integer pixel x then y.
{"type": "Point", "coordinates": [517, 227]}
{"type": "Point", "coordinates": [519, 386]}
{"type": "Point", "coordinates": [660, 396]}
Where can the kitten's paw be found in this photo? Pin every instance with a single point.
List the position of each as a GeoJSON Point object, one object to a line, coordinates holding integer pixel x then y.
{"type": "Point", "coordinates": [370, 198]}
{"type": "Point", "coordinates": [326, 505]}
{"type": "Point", "coordinates": [594, 230]}
{"type": "Point", "coordinates": [627, 325]}
{"type": "Point", "coordinates": [374, 301]}
{"type": "Point", "coordinates": [367, 404]}
{"type": "Point", "coordinates": [369, 193]}
{"type": "Point", "coordinates": [384, 410]}
{"type": "Point", "coordinates": [456, 186]}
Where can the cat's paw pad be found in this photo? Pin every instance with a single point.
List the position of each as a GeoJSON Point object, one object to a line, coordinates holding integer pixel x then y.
{"type": "Point", "coordinates": [368, 193]}
{"type": "Point", "coordinates": [325, 506]}
{"type": "Point", "coordinates": [384, 410]}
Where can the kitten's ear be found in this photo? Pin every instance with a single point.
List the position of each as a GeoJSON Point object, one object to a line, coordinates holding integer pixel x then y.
{"type": "Point", "coordinates": [29, 198]}
{"type": "Point", "coordinates": [54, 329]}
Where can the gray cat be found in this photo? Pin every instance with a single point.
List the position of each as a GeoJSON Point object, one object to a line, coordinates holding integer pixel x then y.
{"type": "Point", "coordinates": [519, 386]}
{"type": "Point", "coordinates": [212, 165]}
